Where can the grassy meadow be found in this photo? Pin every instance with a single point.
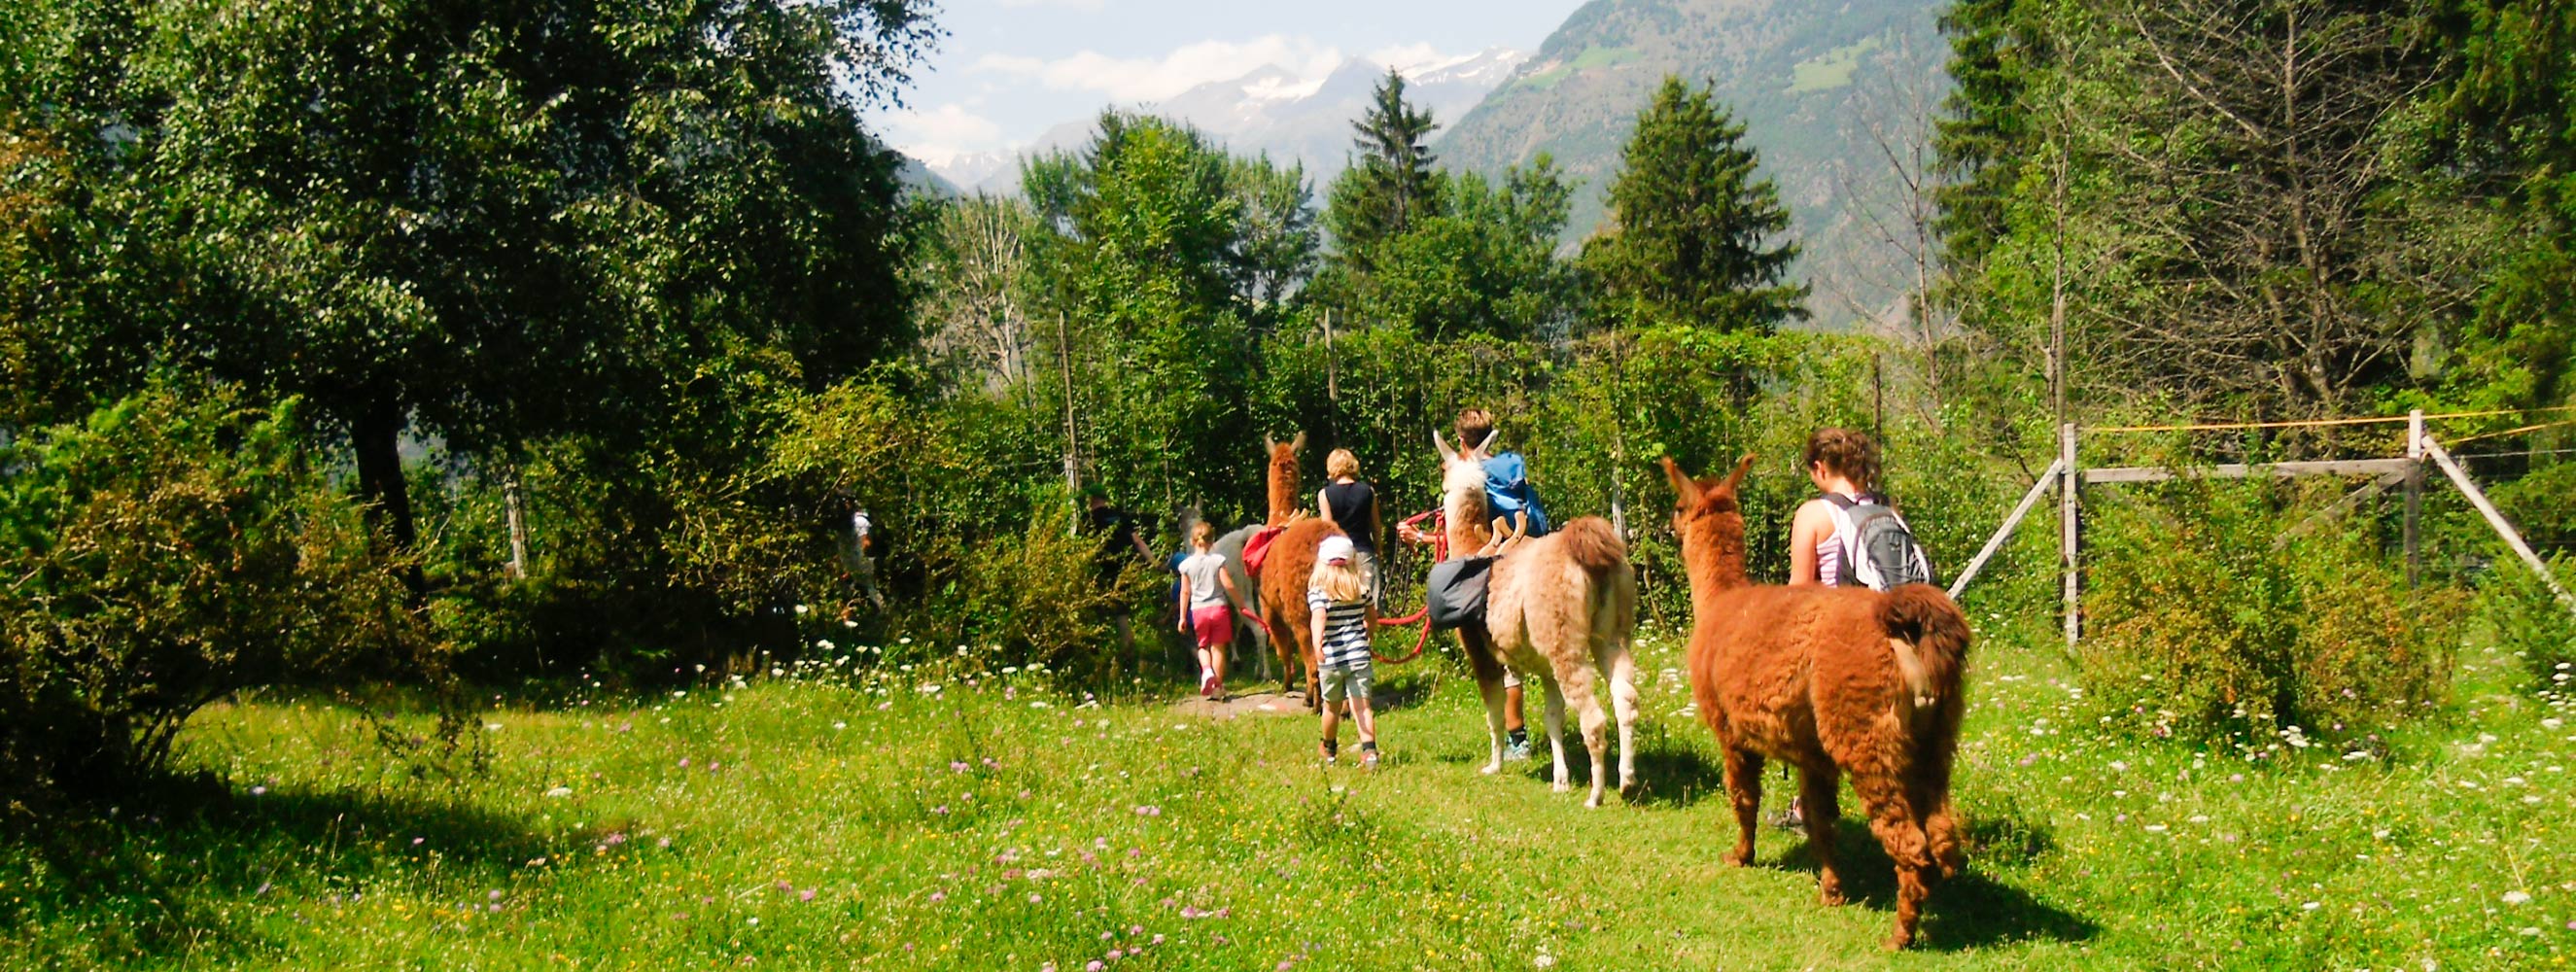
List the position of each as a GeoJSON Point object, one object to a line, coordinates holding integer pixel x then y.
{"type": "Point", "coordinates": [970, 819]}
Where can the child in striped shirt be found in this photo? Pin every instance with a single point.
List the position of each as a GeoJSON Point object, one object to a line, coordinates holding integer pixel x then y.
{"type": "Point", "coordinates": [1338, 596]}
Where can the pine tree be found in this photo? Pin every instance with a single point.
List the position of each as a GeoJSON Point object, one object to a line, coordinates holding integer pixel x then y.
{"type": "Point", "coordinates": [1692, 223]}
{"type": "Point", "coordinates": [1986, 134]}
{"type": "Point", "coordinates": [1391, 188]}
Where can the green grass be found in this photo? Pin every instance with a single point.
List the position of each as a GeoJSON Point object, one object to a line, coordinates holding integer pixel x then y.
{"type": "Point", "coordinates": [1831, 69]}
{"type": "Point", "coordinates": [987, 825]}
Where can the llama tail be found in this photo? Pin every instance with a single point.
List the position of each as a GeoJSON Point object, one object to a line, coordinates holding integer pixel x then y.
{"type": "Point", "coordinates": [1595, 545]}
{"type": "Point", "coordinates": [1931, 629]}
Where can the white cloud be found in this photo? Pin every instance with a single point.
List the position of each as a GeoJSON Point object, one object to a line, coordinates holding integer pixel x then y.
{"type": "Point", "coordinates": [1156, 78]}
{"type": "Point", "coordinates": [1067, 4]}
{"type": "Point", "coordinates": [939, 134]}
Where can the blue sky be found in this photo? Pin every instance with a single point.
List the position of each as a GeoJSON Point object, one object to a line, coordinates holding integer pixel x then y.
{"type": "Point", "coordinates": [1009, 69]}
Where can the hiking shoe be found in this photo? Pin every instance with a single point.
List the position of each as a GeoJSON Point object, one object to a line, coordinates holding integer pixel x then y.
{"type": "Point", "coordinates": [1329, 749]}
{"type": "Point", "coordinates": [1368, 759]}
{"type": "Point", "coordinates": [1516, 752]}
{"type": "Point", "coordinates": [1207, 687]}
{"type": "Point", "coordinates": [1790, 819]}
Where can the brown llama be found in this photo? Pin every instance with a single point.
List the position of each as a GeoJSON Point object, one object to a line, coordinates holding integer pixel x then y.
{"type": "Point", "coordinates": [1829, 680]}
{"type": "Point", "coordinates": [1286, 569]}
{"type": "Point", "coordinates": [1562, 608]}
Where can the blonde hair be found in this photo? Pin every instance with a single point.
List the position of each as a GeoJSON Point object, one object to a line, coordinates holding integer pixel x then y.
{"type": "Point", "coordinates": [1342, 463]}
{"type": "Point", "coordinates": [1202, 533]}
{"type": "Point", "coordinates": [1341, 582]}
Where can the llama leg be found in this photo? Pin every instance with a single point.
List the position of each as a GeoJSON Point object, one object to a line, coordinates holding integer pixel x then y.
{"type": "Point", "coordinates": [1818, 791]}
{"type": "Point", "coordinates": [1556, 731]}
{"type": "Point", "coordinates": [1931, 797]}
{"type": "Point", "coordinates": [1744, 791]}
{"type": "Point", "coordinates": [1581, 687]}
{"type": "Point", "coordinates": [1892, 819]}
{"type": "Point", "coordinates": [1941, 830]}
{"type": "Point", "coordinates": [1489, 684]}
{"type": "Point", "coordinates": [1623, 702]}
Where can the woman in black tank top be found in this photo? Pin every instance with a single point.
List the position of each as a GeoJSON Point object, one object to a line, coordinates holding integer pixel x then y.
{"type": "Point", "coordinates": [1352, 505]}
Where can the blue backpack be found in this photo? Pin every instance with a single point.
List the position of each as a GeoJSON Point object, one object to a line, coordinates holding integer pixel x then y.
{"type": "Point", "coordinates": [1507, 491]}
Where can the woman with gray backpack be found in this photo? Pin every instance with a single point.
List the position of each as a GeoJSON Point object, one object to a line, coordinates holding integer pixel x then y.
{"type": "Point", "coordinates": [1848, 536]}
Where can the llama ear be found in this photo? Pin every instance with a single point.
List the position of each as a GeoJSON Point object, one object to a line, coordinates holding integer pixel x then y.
{"type": "Point", "coordinates": [1298, 444]}
{"type": "Point", "coordinates": [1487, 447]}
{"type": "Point", "coordinates": [1446, 454]}
{"type": "Point", "coordinates": [1736, 478]}
{"type": "Point", "coordinates": [1268, 444]}
{"type": "Point", "coordinates": [1685, 489]}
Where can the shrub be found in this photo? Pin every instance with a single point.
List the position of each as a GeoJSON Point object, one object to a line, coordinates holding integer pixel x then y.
{"type": "Point", "coordinates": [2530, 622]}
{"type": "Point", "coordinates": [2199, 622]}
{"type": "Point", "coordinates": [175, 548]}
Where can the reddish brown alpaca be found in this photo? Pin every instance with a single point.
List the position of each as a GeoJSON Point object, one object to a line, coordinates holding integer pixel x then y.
{"type": "Point", "coordinates": [1827, 679]}
{"type": "Point", "coordinates": [1287, 568]}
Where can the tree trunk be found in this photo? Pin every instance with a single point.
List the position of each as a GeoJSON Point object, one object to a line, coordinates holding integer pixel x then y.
{"type": "Point", "coordinates": [376, 434]}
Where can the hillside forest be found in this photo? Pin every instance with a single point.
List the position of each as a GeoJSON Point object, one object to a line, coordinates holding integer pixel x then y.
{"type": "Point", "coordinates": [465, 348]}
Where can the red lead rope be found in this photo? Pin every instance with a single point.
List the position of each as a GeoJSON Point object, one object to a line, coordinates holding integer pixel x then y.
{"type": "Point", "coordinates": [1440, 551]}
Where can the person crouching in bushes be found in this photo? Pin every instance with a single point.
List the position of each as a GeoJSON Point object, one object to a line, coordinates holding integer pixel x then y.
{"type": "Point", "coordinates": [1206, 593]}
{"type": "Point", "coordinates": [1339, 598]}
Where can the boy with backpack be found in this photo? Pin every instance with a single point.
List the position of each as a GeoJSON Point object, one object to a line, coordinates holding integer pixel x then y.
{"type": "Point", "coordinates": [1507, 492]}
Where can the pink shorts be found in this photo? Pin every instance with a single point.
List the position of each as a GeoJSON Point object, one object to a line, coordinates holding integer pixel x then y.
{"type": "Point", "coordinates": [1214, 625]}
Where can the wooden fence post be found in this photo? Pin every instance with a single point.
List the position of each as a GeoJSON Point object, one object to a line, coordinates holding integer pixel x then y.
{"type": "Point", "coordinates": [2414, 497]}
{"type": "Point", "coordinates": [2066, 532]}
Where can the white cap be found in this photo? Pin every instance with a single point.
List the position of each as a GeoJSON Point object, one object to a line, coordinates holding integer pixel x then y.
{"type": "Point", "coordinates": [1334, 549]}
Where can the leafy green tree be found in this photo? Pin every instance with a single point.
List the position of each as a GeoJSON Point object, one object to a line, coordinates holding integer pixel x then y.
{"type": "Point", "coordinates": [1694, 226]}
{"type": "Point", "coordinates": [1145, 223]}
{"type": "Point", "coordinates": [2506, 134]}
{"type": "Point", "coordinates": [488, 223]}
{"type": "Point", "coordinates": [1391, 187]}
{"type": "Point", "coordinates": [1275, 249]}
{"type": "Point", "coordinates": [1139, 258]}
{"type": "Point", "coordinates": [1486, 265]}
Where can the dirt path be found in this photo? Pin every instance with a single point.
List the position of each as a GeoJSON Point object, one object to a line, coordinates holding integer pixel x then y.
{"type": "Point", "coordinates": [1262, 703]}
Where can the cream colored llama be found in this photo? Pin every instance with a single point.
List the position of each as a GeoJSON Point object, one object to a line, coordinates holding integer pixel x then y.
{"type": "Point", "coordinates": [1560, 608]}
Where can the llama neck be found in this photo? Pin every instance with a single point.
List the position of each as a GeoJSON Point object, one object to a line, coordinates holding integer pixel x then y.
{"type": "Point", "coordinates": [1714, 559]}
{"type": "Point", "coordinates": [1468, 526]}
{"type": "Point", "coordinates": [1283, 493]}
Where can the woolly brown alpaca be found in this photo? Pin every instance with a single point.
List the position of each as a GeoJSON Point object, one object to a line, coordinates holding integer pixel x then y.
{"type": "Point", "coordinates": [1285, 571]}
{"type": "Point", "coordinates": [1829, 680]}
{"type": "Point", "coordinates": [1560, 608]}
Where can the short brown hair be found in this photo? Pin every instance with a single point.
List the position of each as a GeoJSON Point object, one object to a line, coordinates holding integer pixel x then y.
{"type": "Point", "coordinates": [1849, 452]}
{"type": "Point", "coordinates": [1474, 424]}
{"type": "Point", "coordinates": [1342, 463]}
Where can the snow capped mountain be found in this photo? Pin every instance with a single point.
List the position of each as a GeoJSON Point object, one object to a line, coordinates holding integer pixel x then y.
{"type": "Point", "coordinates": [1272, 109]}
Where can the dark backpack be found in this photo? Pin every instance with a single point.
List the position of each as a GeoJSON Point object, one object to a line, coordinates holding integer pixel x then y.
{"type": "Point", "coordinates": [1455, 594]}
{"type": "Point", "coordinates": [1886, 555]}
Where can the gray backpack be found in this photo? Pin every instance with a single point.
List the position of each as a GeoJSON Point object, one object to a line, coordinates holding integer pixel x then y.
{"type": "Point", "coordinates": [1883, 554]}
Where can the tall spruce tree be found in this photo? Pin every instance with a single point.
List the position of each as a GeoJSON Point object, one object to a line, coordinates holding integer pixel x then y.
{"type": "Point", "coordinates": [1693, 225]}
{"type": "Point", "coordinates": [1986, 133]}
{"type": "Point", "coordinates": [1391, 188]}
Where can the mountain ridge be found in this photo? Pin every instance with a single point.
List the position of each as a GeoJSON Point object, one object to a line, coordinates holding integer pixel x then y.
{"type": "Point", "coordinates": [1793, 74]}
{"type": "Point", "coordinates": [1272, 110]}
